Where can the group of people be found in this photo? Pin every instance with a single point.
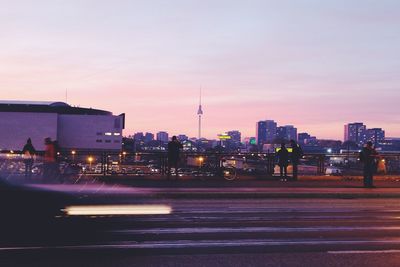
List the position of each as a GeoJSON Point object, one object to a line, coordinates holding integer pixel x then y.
{"type": "Point", "coordinates": [50, 160]}
{"type": "Point", "coordinates": [284, 156]}
{"type": "Point", "coordinates": [368, 156]}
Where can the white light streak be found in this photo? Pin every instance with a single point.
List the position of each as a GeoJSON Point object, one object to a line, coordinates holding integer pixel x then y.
{"type": "Point", "coordinates": [108, 210]}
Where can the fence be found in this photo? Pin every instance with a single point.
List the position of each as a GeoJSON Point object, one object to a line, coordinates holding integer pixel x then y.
{"type": "Point", "coordinates": [75, 164]}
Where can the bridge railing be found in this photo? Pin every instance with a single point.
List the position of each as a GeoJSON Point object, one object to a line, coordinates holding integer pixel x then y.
{"type": "Point", "coordinates": [84, 164]}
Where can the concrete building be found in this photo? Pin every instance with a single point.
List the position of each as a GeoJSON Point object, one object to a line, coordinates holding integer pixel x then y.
{"type": "Point", "coordinates": [266, 132]}
{"type": "Point", "coordinates": [148, 137]}
{"type": "Point", "coordinates": [286, 133]}
{"type": "Point", "coordinates": [261, 133]}
{"type": "Point", "coordinates": [376, 136]}
{"type": "Point", "coordinates": [355, 132]}
{"type": "Point", "coordinates": [73, 127]}
{"type": "Point", "coordinates": [139, 137]}
{"type": "Point", "coordinates": [236, 136]}
{"type": "Point", "coordinates": [271, 128]}
{"type": "Point", "coordinates": [162, 136]}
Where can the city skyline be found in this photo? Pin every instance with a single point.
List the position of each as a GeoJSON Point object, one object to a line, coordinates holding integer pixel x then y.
{"type": "Point", "coordinates": [314, 65]}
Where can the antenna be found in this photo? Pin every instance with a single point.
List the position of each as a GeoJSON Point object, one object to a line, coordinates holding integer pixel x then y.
{"type": "Point", "coordinates": [200, 113]}
{"type": "Point", "coordinates": [66, 95]}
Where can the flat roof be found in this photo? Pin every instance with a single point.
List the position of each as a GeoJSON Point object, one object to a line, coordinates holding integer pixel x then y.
{"type": "Point", "coordinates": [47, 107]}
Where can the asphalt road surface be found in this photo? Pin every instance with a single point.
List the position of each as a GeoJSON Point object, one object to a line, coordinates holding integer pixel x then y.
{"type": "Point", "coordinates": [218, 232]}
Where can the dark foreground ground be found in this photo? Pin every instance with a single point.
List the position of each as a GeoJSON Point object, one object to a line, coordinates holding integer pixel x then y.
{"type": "Point", "coordinates": [336, 225]}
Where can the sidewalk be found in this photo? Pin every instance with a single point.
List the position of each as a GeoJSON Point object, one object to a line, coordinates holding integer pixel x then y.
{"type": "Point", "coordinates": [217, 189]}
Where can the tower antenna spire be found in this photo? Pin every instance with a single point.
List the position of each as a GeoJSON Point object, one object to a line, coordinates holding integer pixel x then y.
{"type": "Point", "coordinates": [200, 113]}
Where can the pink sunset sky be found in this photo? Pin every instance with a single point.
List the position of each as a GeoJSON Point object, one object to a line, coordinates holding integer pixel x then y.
{"type": "Point", "coordinates": [314, 64]}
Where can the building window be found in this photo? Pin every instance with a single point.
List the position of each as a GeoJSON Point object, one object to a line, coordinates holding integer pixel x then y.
{"type": "Point", "coordinates": [117, 134]}
{"type": "Point", "coordinates": [99, 141]}
{"type": "Point", "coordinates": [116, 141]}
{"type": "Point", "coordinates": [99, 133]}
{"type": "Point", "coordinates": [107, 133]}
{"type": "Point", "coordinates": [108, 141]}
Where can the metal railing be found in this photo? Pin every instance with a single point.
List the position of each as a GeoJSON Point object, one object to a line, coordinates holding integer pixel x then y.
{"type": "Point", "coordinates": [76, 165]}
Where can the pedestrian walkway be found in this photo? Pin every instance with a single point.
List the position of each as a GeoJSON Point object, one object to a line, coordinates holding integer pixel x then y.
{"type": "Point", "coordinates": [260, 190]}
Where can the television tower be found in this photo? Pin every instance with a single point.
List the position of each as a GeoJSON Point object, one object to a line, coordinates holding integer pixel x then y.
{"type": "Point", "coordinates": [200, 113]}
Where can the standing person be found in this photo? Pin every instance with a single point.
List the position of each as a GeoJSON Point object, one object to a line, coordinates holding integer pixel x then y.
{"type": "Point", "coordinates": [28, 153]}
{"type": "Point", "coordinates": [283, 161]}
{"type": "Point", "coordinates": [173, 156]}
{"type": "Point", "coordinates": [295, 157]}
{"type": "Point", "coordinates": [368, 156]}
{"type": "Point", "coordinates": [49, 159]}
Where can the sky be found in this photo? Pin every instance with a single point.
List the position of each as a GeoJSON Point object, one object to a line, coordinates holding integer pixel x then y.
{"type": "Point", "coordinates": [309, 63]}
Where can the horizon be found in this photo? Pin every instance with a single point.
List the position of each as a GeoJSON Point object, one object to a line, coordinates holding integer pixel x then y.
{"type": "Point", "coordinates": [317, 66]}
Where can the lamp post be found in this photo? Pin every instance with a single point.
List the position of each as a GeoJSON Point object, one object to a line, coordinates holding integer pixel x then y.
{"type": "Point", "coordinates": [124, 155]}
{"type": "Point", "coordinates": [73, 152]}
{"type": "Point", "coordinates": [201, 159]}
{"type": "Point", "coordinates": [90, 160]}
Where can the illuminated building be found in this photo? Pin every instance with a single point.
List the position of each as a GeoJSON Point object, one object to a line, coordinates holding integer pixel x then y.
{"type": "Point", "coordinates": [236, 136]}
{"type": "Point", "coordinates": [74, 128]}
{"type": "Point", "coordinates": [355, 132]}
{"type": "Point", "coordinates": [376, 136]}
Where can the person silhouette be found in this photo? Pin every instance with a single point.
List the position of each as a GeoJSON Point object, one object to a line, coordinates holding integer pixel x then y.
{"type": "Point", "coordinates": [174, 147]}
{"type": "Point", "coordinates": [28, 152]}
{"type": "Point", "coordinates": [283, 161]}
{"type": "Point", "coordinates": [368, 156]}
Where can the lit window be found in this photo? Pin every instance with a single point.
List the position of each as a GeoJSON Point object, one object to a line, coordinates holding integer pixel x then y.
{"type": "Point", "coordinates": [107, 133]}
{"type": "Point", "coordinates": [117, 134]}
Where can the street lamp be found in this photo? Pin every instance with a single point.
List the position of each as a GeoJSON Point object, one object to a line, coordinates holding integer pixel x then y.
{"type": "Point", "coordinates": [201, 159]}
{"type": "Point", "coordinates": [73, 152]}
{"type": "Point", "coordinates": [90, 159]}
{"type": "Point", "coordinates": [124, 155]}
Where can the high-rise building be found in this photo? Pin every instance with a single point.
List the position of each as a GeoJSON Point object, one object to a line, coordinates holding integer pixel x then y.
{"type": "Point", "coordinates": [162, 136]}
{"type": "Point", "coordinates": [236, 136]}
{"type": "Point", "coordinates": [148, 137]}
{"type": "Point", "coordinates": [355, 132]}
{"type": "Point", "coordinates": [286, 133]}
{"type": "Point", "coordinates": [271, 127]}
{"type": "Point", "coordinates": [138, 136]}
{"type": "Point", "coordinates": [261, 132]}
{"type": "Point", "coordinates": [376, 136]}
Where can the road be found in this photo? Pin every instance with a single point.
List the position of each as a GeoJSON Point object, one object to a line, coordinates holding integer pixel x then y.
{"type": "Point", "coordinates": [225, 232]}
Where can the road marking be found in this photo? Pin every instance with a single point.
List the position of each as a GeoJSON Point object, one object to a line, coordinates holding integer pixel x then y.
{"type": "Point", "coordinates": [365, 251]}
